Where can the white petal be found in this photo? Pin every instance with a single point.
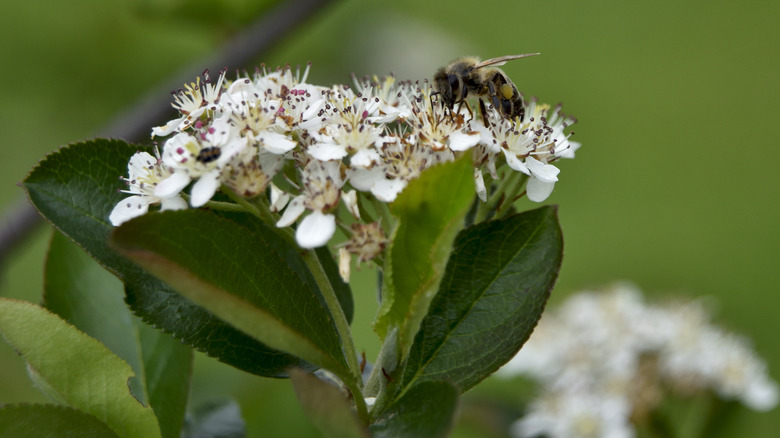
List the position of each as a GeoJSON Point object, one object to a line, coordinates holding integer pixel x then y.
{"type": "Point", "coordinates": [276, 143]}
{"type": "Point", "coordinates": [480, 183]}
{"type": "Point", "coordinates": [364, 179]}
{"type": "Point", "coordinates": [171, 186]}
{"type": "Point", "coordinates": [350, 200]}
{"type": "Point", "coordinates": [544, 172]}
{"type": "Point", "coordinates": [279, 198]}
{"type": "Point", "coordinates": [204, 188]}
{"type": "Point", "coordinates": [175, 203]}
{"type": "Point", "coordinates": [162, 131]}
{"type": "Point", "coordinates": [315, 230]}
{"type": "Point", "coordinates": [294, 209]}
{"type": "Point", "coordinates": [220, 132]}
{"type": "Point", "coordinates": [139, 164]}
{"type": "Point", "coordinates": [390, 115]}
{"type": "Point", "coordinates": [242, 88]}
{"type": "Point", "coordinates": [538, 190]}
{"type": "Point", "coordinates": [313, 109]}
{"type": "Point", "coordinates": [344, 264]}
{"type": "Point", "coordinates": [325, 170]}
{"type": "Point", "coordinates": [365, 157]}
{"type": "Point", "coordinates": [312, 125]}
{"type": "Point", "coordinates": [515, 163]}
{"type": "Point", "coordinates": [127, 209]}
{"type": "Point", "coordinates": [459, 141]}
{"type": "Point", "coordinates": [485, 135]}
{"type": "Point", "coordinates": [387, 189]}
{"type": "Point", "coordinates": [230, 150]}
{"type": "Point", "coordinates": [327, 151]}
{"type": "Point", "coordinates": [491, 165]}
{"type": "Point", "coordinates": [179, 149]}
{"type": "Point", "coordinates": [270, 163]}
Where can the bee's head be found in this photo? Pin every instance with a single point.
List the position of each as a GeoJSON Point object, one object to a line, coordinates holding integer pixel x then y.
{"type": "Point", "coordinates": [449, 86]}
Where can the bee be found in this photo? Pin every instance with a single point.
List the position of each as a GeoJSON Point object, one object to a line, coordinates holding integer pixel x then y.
{"type": "Point", "coordinates": [484, 79]}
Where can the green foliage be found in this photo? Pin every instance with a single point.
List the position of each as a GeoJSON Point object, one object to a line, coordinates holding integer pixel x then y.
{"type": "Point", "coordinates": [76, 370]}
{"type": "Point", "coordinates": [75, 188]}
{"type": "Point", "coordinates": [50, 421]}
{"type": "Point", "coordinates": [90, 298]}
{"type": "Point", "coordinates": [505, 269]}
{"type": "Point", "coordinates": [326, 406]}
{"type": "Point", "coordinates": [251, 279]}
{"type": "Point", "coordinates": [425, 411]}
{"type": "Point", "coordinates": [430, 212]}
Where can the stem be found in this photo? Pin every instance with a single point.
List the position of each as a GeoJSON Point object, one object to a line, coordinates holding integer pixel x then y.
{"type": "Point", "coordinates": [342, 326]}
{"type": "Point", "coordinates": [240, 200]}
{"type": "Point", "coordinates": [484, 208]}
{"type": "Point", "coordinates": [224, 206]}
{"type": "Point", "coordinates": [360, 402]}
{"type": "Point", "coordinates": [513, 194]}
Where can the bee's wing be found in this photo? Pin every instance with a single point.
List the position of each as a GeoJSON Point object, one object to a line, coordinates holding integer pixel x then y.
{"type": "Point", "coordinates": [501, 60]}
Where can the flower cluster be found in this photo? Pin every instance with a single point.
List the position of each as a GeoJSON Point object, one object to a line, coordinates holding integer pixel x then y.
{"type": "Point", "coordinates": [310, 149]}
{"type": "Point", "coordinates": [603, 361]}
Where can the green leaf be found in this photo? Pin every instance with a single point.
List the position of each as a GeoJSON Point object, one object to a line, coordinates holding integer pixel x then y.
{"type": "Point", "coordinates": [50, 421]}
{"type": "Point", "coordinates": [75, 189]}
{"type": "Point", "coordinates": [250, 278]}
{"type": "Point", "coordinates": [81, 371]}
{"type": "Point", "coordinates": [430, 212]}
{"type": "Point", "coordinates": [497, 282]}
{"type": "Point", "coordinates": [215, 419]}
{"type": "Point", "coordinates": [326, 406]}
{"type": "Point", "coordinates": [167, 367]}
{"type": "Point", "coordinates": [341, 289]}
{"type": "Point", "coordinates": [425, 411]}
{"type": "Point", "coordinates": [91, 299]}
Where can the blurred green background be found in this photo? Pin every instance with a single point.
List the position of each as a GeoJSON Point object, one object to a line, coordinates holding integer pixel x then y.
{"type": "Point", "coordinates": [673, 100]}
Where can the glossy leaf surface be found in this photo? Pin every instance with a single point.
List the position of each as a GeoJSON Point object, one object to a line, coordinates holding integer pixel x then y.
{"type": "Point", "coordinates": [497, 283]}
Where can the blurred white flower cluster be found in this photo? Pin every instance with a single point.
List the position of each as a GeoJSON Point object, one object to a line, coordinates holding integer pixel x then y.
{"type": "Point", "coordinates": [314, 148]}
{"type": "Point", "coordinates": [604, 359]}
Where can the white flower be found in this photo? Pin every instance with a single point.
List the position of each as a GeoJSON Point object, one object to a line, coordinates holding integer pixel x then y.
{"type": "Point", "coordinates": [618, 353]}
{"type": "Point", "coordinates": [201, 160]}
{"type": "Point", "coordinates": [400, 161]}
{"type": "Point", "coordinates": [192, 101]}
{"type": "Point", "coordinates": [350, 129]}
{"type": "Point", "coordinates": [529, 146]}
{"type": "Point", "coordinates": [278, 83]}
{"type": "Point", "coordinates": [575, 414]}
{"type": "Point", "coordinates": [439, 129]}
{"type": "Point", "coordinates": [393, 97]}
{"type": "Point", "coordinates": [145, 172]}
{"type": "Point", "coordinates": [377, 136]}
{"type": "Point", "coordinates": [320, 194]}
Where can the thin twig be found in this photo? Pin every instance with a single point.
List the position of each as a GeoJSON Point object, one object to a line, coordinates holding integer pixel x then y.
{"type": "Point", "coordinates": [135, 124]}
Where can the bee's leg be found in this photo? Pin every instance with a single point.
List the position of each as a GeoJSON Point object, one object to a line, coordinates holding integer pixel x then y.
{"type": "Point", "coordinates": [483, 113]}
{"type": "Point", "coordinates": [471, 113]}
{"type": "Point", "coordinates": [468, 108]}
{"type": "Point", "coordinates": [492, 91]}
